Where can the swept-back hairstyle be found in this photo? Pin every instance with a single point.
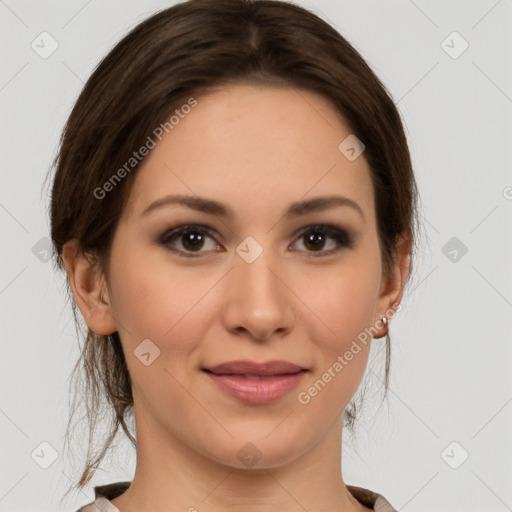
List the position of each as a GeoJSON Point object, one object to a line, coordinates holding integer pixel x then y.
{"type": "Point", "coordinates": [174, 55]}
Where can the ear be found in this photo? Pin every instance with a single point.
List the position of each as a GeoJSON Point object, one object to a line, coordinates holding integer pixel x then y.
{"type": "Point", "coordinates": [88, 288]}
{"type": "Point", "coordinates": [392, 287]}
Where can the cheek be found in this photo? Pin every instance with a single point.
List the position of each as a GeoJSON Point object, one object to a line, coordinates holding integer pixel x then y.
{"type": "Point", "coordinates": [340, 302]}
{"type": "Point", "coordinates": [152, 301]}
{"type": "Point", "coordinates": [174, 308]}
{"type": "Point", "coordinates": [341, 305]}
{"type": "Point", "coordinates": [167, 308]}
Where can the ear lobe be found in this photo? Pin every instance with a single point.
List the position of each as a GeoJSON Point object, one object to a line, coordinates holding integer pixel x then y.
{"type": "Point", "coordinates": [89, 288]}
{"type": "Point", "coordinates": [392, 288]}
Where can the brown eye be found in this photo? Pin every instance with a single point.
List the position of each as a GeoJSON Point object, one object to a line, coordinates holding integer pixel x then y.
{"type": "Point", "coordinates": [191, 239]}
{"type": "Point", "coordinates": [315, 239]}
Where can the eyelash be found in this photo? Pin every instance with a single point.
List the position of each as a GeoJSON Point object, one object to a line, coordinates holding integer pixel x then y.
{"type": "Point", "coordinates": [339, 235]}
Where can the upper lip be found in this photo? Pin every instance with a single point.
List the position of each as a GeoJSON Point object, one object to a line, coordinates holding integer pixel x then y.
{"type": "Point", "coordinates": [245, 367]}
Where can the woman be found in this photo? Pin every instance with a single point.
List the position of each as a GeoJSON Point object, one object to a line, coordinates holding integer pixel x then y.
{"type": "Point", "coordinates": [235, 208]}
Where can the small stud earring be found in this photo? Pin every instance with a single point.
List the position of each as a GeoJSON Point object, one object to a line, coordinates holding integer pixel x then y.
{"type": "Point", "coordinates": [384, 320]}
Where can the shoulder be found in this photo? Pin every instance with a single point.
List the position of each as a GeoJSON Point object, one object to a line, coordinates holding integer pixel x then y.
{"type": "Point", "coordinates": [102, 496]}
{"type": "Point", "coordinates": [371, 499]}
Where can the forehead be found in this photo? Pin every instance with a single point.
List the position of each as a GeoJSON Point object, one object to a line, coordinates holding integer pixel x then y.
{"type": "Point", "coordinates": [256, 148]}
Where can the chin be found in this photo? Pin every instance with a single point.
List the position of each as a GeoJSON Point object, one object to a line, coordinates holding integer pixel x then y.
{"type": "Point", "coordinates": [260, 452]}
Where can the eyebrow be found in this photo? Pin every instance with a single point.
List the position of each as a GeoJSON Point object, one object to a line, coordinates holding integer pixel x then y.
{"type": "Point", "coordinates": [213, 207]}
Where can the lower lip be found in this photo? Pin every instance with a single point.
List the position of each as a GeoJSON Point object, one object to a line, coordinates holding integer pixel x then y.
{"type": "Point", "coordinates": [260, 391]}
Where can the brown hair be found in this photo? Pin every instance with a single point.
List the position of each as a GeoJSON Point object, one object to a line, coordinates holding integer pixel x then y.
{"type": "Point", "coordinates": [174, 54]}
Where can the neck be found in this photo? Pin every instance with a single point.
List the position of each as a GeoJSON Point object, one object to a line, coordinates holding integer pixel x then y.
{"type": "Point", "coordinates": [170, 473]}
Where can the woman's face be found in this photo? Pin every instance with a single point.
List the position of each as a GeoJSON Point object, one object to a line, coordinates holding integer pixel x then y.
{"type": "Point", "coordinates": [244, 279]}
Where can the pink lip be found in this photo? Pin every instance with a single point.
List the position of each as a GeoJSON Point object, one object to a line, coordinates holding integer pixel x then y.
{"type": "Point", "coordinates": [256, 383]}
{"type": "Point", "coordinates": [245, 367]}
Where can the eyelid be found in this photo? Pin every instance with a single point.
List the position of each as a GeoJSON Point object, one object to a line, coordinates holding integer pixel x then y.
{"type": "Point", "coordinates": [325, 227]}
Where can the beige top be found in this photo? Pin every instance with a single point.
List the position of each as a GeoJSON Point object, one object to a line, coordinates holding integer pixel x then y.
{"type": "Point", "coordinates": [104, 493]}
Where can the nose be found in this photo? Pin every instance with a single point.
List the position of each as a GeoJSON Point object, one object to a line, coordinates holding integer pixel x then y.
{"type": "Point", "coordinates": [257, 299]}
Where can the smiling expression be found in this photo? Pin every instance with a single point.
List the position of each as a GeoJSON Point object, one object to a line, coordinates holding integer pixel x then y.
{"type": "Point", "coordinates": [248, 235]}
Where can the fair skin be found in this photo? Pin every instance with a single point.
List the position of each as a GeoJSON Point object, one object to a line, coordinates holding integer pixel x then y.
{"type": "Point", "coordinates": [256, 150]}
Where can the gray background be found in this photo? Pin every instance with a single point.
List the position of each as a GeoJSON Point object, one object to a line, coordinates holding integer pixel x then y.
{"type": "Point", "coordinates": [451, 343]}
